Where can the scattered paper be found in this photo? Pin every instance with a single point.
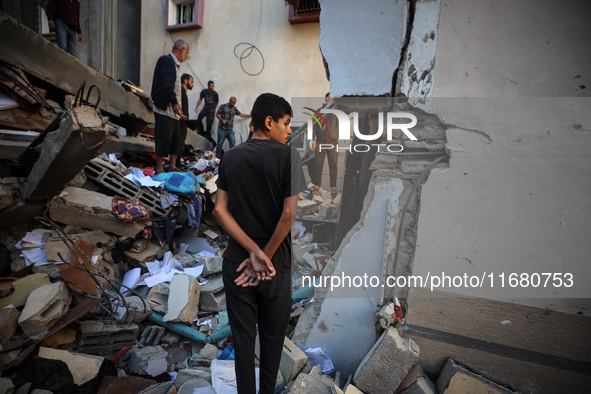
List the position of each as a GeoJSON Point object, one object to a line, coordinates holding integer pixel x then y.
{"type": "Point", "coordinates": [35, 256]}
{"type": "Point", "coordinates": [130, 279]}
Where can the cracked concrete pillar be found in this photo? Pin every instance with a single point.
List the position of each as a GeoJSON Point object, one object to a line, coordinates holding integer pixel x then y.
{"type": "Point", "coordinates": [362, 43]}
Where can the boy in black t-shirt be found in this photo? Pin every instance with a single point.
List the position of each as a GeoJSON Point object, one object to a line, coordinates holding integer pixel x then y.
{"type": "Point", "coordinates": [256, 202]}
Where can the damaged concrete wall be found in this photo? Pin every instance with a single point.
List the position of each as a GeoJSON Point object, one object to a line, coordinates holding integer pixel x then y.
{"type": "Point", "coordinates": [362, 43]}
{"type": "Point", "coordinates": [292, 60]}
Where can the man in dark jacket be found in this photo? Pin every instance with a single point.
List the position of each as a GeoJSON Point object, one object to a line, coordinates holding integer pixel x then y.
{"type": "Point", "coordinates": [166, 94]}
{"type": "Point", "coordinates": [64, 17]}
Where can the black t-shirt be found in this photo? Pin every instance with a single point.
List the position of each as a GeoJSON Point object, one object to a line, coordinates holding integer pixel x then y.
{"type": "Point", "coordinates": [258, 175]}
{"type": "Point", "coordinates": [211, 99]}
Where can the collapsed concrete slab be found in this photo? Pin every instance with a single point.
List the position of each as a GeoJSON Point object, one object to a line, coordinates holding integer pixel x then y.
{"type": "Point", "coordinates": [83, 367]}
{"type": "Point", "coordinates": [457, 378]}
{"type": "Point", "coordinates": [23, 48]}
{"type": "Point", "coordinates": [213, 295]}
{"type": "Point", "coordinates": [44, 307]}
{"type": "Point", "coordinates": [183, 299]}
{"type": "Point", "coordinates": [64, 152]}
{"type": "Point", "coordinates": [81, 207]}
{"type": "Point", "coordinates": [387, 363]}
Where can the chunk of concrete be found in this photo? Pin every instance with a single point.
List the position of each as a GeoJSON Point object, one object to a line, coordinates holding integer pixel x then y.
{"type": "Point", "coordinates": [185, 259]}
{"type": "Point", "coordinates": [83, 367]}
{"type": "Point", "coordinates": [158, 297]}
{"type": "Point", "coordinates": [8, 321]}
{"type": "Point", "coordinates": [213, 295]}
{"type": "Point", "coordinates": [160, 388]}
{"type": "Point", "coordinates": [293, 360]}
{"type": "Point", "coordinates": [152, 335]}
{"type": "Point", "coordinates": [150, 360]}
{"type": "Point", "coordinates": [183, 299]}
{"type": "Point", "coordinates": [416, 382]}
{"type": "Point", "coordinates": [137, 309]}
{"type": "Point", "coordinates": [207, 353]}
{"type": "Point", "coordinates": [314, 382]}
{"type": "Point", "coordinates": [91, 210]}
{"type": "Point", "coordinates": [211, 265]}
{"type": "Point", "coordinates": [97, 337]}
{"type": "Point", "coordinates": [387, 363]}
{"type": "Point", "coordinates": [44, 307]}
{"type": "Point", "coordinates": [350, 389]}
{"type": "Point", "coordinates": [327, 211]}
{"type": "Point", "coordinates": [22, 288]}
{"type": "Point", "coordinates": [458, 378]}
{"type": "Point", "coordinates": [184, 375]}
{"type": "Point", "coordinates": [307, 207]}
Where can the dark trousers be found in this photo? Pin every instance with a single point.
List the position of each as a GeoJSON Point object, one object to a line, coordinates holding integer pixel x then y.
{"type": "Point", "coordinates": [209, 115]}
{"type": "Point", "coordinates": [333, 159]}
{"type": "Point", "coordinates": [269, 306]}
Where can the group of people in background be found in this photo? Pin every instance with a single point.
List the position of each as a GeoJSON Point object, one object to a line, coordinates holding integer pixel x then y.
{"type": "Point", "coordinates": [172, 118]}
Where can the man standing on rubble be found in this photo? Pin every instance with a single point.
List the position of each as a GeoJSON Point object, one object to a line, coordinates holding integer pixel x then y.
{"type": "Point", "coordinates": [187, 83]}
{"type": "Point", "coordinates": [212, 99]}
{"type": "Point", "coordinates": [258, 184]}
{"type": "Point", "coordinates": [64, 17]}
{"type": "Point", "coordinates": [166, 94]}
{"type": "Point", "coordinates": [226, 114]}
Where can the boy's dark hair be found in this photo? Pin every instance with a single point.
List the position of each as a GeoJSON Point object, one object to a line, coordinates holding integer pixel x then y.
{"type": "Point", "coordinates": [210, 81]}
{"type": "Point", "coordinates": [185, 77]}
{"type": "Point", "coordinates": [268, 104]}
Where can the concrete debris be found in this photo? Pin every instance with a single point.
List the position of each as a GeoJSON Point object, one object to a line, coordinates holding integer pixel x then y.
{"type": "Point", "coordinates": [83, 367]}
{"type": "Point", "coordinates": [387, 363]}
{"type": "Point", "coordinates": [137, 309]}
{"type": "Point", "coordinates": [152, 335]}
{"type": "Point", "coordinates": [91, 210]}
{"type": "Point", "coordinates": [44, 307]}
{"type": "Point", "coordinates": [185, 375]}
{"type": "Point", "coordinates": [211, 264]}
{"type": "Point", "coordinates": [158, 298]}
{"type": "Point", "coordinates": [9, 316]}
{"type": "Point", "coordinates": [149, 360]}
{"type": "Point", "coordinates": [458, 378]}
{"type": "Point", "coordinates": [99, 338]}
{"type": "Point", "coordinates": [183, 299]}
{"type": "Point", "coordinates": [313, 382]}
{"type": "Point", "coordinates": [293, 360]}
{"type": "Point", "coordinates": [213, 296]}
{"type": "Point", "coordinates": [416, 382]}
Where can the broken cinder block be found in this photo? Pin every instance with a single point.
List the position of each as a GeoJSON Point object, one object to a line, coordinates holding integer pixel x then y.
{"type": "Point", "coordinates": [44, 307]}
{"type": "Point", "coordinates": [416, 382]}
{"type": "Point", "coordinates": [213, 295]}
{"type": "Point", "coordinates": [183, 299]}
{"type": "Point", "coordinates": [458, 378]}
{"type": "Point", "coordinates": [307, 207]}
{"type": "Point", "coordinates": [158, 297]}
{"type": "Point", "coordinates": [211, 265]}
{"type": "Point", "coordinates": [100, 338]}
{"type": "Point", "coordinates": [293, 360]}
{"type": "Point", "coordinates": [387, 363]}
